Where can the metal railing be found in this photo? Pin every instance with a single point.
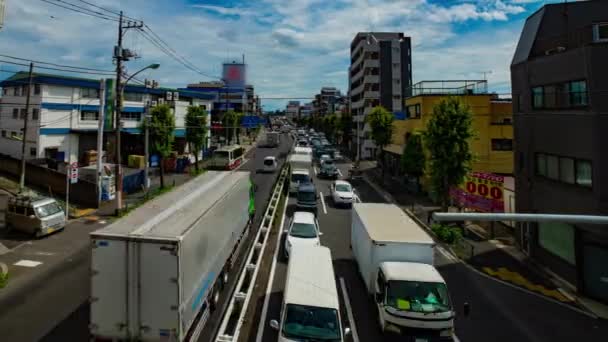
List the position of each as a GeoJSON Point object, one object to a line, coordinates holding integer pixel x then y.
{"type": "Point", "coordinates": [234, 317]}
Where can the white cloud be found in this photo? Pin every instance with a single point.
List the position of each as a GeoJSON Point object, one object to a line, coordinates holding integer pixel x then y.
{"type": "Point", "coordinates": [293, 48]}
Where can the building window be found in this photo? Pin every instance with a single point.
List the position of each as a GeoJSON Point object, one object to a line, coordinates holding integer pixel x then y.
{"type": "Point", "coordinates": [33, 151]}
{"type": "Point", "coordinates": [89, 115]}
{"type": "Point", "coordinates": [4, 133]}
{"type": "Point", "coordinates": [541, 164]}
{"type": "Point", "coordinates": [134, 97]}
{"type": "Point", "coordinates": [16, 91]}
{"type": "Point", "coordinates": [538, 97]}
{"type": "Point", "coordinates": [89, 93]}
{"type": "Point", "coordinates": [558, 239]}
{"type": "Point", "coordinates": [552, 167]}
{"type": "Point", "coordinates": [128, 116]}
{"type": "Point", "coordinates": [36, 89]}
{"type": "Point", "coordinates": [24, 90]}
{"type": "Point", "coordinates": [396, 50]}
{"type": "Point", "coordinates": [520, 107]}
{"type": "Point", "coordinates": [566, 170]}
{"type": "Point", "coordinates": [413, 111]}
{"type": "Point", "coordinates": [577, 93]}
{"type": "Point", "coordinates": [502, 144]}
{"type": "Point", "coordinates": [584, 173]}
{"type": "Point", "coordinates": [5, 91]}
{"type": "Point", "coordinates": [14, 135]}
{"type": "Point", "coordinates": [600, 32]}
{"type": "Point", "coordinates": [35, 113]}
{"type": "Point", "coordinates": [15, 113]}
{"type": "Point", "coordinates": [23, 113]}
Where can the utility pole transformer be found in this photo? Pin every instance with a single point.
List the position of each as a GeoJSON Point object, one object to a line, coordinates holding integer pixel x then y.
{"type": "Point", "coordinates": [120, 55]}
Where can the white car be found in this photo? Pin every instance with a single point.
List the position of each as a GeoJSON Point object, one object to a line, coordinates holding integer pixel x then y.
{"type": "Point", "coordinates": [303, 231]}
{"type": "Point", "coordinates": [338, 156]}
{"type": "Point", "coordinates": [270, 164]}
{"type": "Point", "coordinates": [323, 158]}
{"type": "Point", "coordinates": [342, 193]}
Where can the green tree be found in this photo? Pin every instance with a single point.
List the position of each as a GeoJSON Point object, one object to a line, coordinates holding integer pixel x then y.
{"type": "Point", "coordinates": [330, 125]}
{"type": "Point", "coordinates": [345, 128]}
{"type": "Point", "coordinates": [161, 130]}
{"type": "Point", "coordinates": [447, 137]}
{"type": "Point", "coordinates": [196, 131]}
{"type": "Point", "coordinates": [231, 120]}
{"type": "Point", "coordinates": [413, 159]}
{"type": "Point", "coordinates": [381, 123]}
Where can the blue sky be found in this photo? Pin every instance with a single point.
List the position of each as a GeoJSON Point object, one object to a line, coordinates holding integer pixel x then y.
{"type": "Point", "coordinates": [292, 47]}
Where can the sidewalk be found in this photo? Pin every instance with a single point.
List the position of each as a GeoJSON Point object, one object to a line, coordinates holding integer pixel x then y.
{"type": "Point", "coordinates": [496, 258]}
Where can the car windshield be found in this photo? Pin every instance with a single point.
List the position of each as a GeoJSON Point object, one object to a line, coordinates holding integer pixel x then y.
{"type": "Point", "coordinates": [47, 209]}
{"type": "Point", "coordinates": [303, 230]}
{"type": "Point", "coordinates": [416, 296]}
{"type": "Point", "coordinates": [309, 323]}
{"type": "Point", "coordinates": [268, 162]}
{"type": "Point", "coordinates": [220, 154]}
{"type": "Point", "coordinates": [343, 187]}
{"type": "Point", "coordinates": [307, 196]}
{"type": "Point", "coordinates": [328, 163]}
{"type": "Point", "coordinates": [299, 177]}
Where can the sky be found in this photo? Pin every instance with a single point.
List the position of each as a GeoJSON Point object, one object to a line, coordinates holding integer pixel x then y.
{"type": "Point", "coordinates": [292, 47]}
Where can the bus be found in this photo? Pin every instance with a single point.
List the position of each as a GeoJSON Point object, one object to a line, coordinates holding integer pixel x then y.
{"type": "Point", "coordinates": [228, 157]}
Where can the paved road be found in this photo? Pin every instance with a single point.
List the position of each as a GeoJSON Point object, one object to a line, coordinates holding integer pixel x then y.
{"type": "Point", "coordinates": [499, 312]}
{"type": "Point", "coordinates": [75, 326]}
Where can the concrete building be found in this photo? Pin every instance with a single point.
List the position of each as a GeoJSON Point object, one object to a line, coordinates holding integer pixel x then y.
{"type": "Point", "coordinates": [64, 116]}
{"type": "Point", "coordinates": [306, 110]}
{"type": "Point", "coordinates": [492, 122]}
{"type": "Point", "coordinates": [326, 101]}
{"type": "Point", "coordinates": [292, 111]}
{"type": "Point", "coordinates": [380, 74]}
{"type": "Point", "coordinates": [559, 82]}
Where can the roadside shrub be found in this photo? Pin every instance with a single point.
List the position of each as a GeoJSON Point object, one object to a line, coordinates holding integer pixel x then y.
{"type": "Point", "coordinates": [3, 279]}
{"type": "Point", "coordinates": [446, 234]}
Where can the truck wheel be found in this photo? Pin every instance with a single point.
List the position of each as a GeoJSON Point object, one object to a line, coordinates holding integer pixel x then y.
{"type": "Point", "coordinates": [215, 299]}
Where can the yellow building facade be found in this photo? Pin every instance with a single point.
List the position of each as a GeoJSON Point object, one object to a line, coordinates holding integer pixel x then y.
{"type": "Point", "coordinates": [492, 145]}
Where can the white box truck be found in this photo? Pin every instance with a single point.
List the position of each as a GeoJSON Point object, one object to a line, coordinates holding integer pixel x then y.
{"type": "Point", "coordinates": [299, 171]}
{"type": "Point", "coordinates": [157, 273]}
{"type": "Point", "coordinates": [273, 139]}
{"type": "Point", "coordinates": [395, 258]}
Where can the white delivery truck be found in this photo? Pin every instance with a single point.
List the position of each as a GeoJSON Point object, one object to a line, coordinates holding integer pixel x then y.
{"type": "Point", "coordinates": [157, 273]}
{"type": "Point", "coordinates": [273, 139]}
{"type": "Point", "coordinates": [299, 171]}
{"type": "Point", "coordinates": [395, 259]}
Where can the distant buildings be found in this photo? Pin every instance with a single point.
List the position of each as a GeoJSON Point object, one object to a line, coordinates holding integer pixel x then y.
{"type": "Point", "coordinates": [559, 79]}
{"type": "Point", "coordinates": [293, 110]}
{"type": "Point", "coordinates": [380, 74]}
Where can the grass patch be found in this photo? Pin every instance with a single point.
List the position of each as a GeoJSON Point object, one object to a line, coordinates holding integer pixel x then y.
{"type": "Point", "coordinates": [447, 234]}
{"type": "Point", "coordinates": [3, 278]}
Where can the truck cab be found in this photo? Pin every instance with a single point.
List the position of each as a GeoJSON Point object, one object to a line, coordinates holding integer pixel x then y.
{"type": "Point", "coordinates": [297, 177]}
{"type": "Point", "coordinates": [413, 299]}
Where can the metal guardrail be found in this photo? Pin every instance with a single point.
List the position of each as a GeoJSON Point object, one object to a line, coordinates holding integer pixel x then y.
{"type": "Point", "coordinates": [234, 316]}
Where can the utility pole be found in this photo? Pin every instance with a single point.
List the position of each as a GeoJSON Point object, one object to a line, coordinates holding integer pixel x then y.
{"type": "Point", "coordinates": [100, 128]}
{"type": "Point", "coordinates": [146, 147]}
{"type": "Point", "coordinates": [25, 121]}
{"type": "Point", "coordinates": [120, 55]}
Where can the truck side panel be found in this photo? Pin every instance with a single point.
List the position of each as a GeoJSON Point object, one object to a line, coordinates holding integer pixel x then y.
{"type": "Point", "coordinates": [362, 250]}
{"type": "Point", "coordinates": [159, 292]}
{"type": "Point", "coordinates": [406, 252]}
{"type": "Point", "coordinates": [207, 246]}
{"type": "Point", "coordinates": [109, 288]}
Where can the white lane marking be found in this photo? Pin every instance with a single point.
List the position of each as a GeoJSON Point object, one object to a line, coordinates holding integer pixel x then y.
{"type": "Point", "coordinates": [455, 338]}
{"type": "Point", "coordinates": [27, 263]}
{"type": "Point", "coordinates": [446, 254]}
{"type": "Point", "coordinates": [261, 324]}
{"type": "Point", "coordinates": [349, 311]}
{"type": "Point", "coordinates": [566, 294]}
{"type": "Point", "coordinates": [323, 202]}
{"type": "Point", "coordinates": [339, 173]}
{"type": "Point", "coordinates": [315, 169]}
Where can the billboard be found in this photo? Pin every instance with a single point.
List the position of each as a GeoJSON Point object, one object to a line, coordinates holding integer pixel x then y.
{"type": "Point", "coordinates": [481, 191]}
{"type": "Point", "coordinates": [234, 75]}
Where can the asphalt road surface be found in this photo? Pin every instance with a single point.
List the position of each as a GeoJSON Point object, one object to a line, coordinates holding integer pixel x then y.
{"type": "Point", "coordinates": [498, 312]}
{"type": "Point", "coordinates": [75, 326]}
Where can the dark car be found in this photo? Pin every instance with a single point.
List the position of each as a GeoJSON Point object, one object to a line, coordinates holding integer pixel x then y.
{"type": "Point", "coordinates": [328, 170]}
{"type": "Point", "coordinates": [306, 199]}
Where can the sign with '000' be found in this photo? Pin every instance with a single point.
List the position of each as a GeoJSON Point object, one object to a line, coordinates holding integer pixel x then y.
{"type": "Point", "coordinates": [480, 191]}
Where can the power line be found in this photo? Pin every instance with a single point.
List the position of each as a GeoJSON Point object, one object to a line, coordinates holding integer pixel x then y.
{"type": "Point", "coordinates": [57, 69]}
{"type": "Point", "coordinates": [107, 10]}
{"type": "Point", "coordinates": [54, 64]}
{"type": "Point", "coordinates": [88, 12]}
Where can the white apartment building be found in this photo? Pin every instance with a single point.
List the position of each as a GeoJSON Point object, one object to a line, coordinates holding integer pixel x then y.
{"type": "Point", "coordinates": [64, 115]}
{"type": "Point", "coordinates": [292, 110]}
{"type": "Point", "coordinates": [380, 74]}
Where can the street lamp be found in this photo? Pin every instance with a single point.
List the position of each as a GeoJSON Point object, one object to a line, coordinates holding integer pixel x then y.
{"type": "Point", "coordinates": [118, 171]}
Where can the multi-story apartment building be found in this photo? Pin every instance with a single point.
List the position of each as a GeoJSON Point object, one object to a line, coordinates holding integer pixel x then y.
{"type": "Point", "coordinates": [559, 79]}
{"type": "Point", "coordinates": [65, 111]}
{"type": "Point", "coordinates": [292, 111]}
{"type": "Point", "coordinates": [492, 123]}
{"type": "Point", "coordinates": [380, 74]}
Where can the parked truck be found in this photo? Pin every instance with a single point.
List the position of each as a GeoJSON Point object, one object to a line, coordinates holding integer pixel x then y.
{"type": "Point", "coordinates": [157, 273]}
{"type": "Point", "coordinates": [395, 258]}
{"type": "Point", "coordinates": [273, 139]}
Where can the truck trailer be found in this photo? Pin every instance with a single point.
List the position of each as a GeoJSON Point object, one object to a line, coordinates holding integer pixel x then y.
{"type": "Point", "coordinates": [395, 258]}
{"type": "Point", "coordinates": [273, 139]}
{"type": "Point", "coordinates": [157, 273]}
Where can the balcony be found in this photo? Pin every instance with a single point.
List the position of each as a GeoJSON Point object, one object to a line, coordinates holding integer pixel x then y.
{"type": "Point", "coordinates": [450, 87]}
{"type": "Point", "coordinates": [371, 63]}
{"type": "Point", "coordinates": [357, 76]}
{"type": "Point", "coordinates": [371, 94]}
{"type": "Point", "coordinates": [357, 90]}
{"type": "Point", "coordinates": [371, 79]}
{"type": "Point", "coordinates": [357, 104]}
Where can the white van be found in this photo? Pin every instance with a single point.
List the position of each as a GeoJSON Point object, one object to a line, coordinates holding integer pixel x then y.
{"type": "Point", "coordinates": [35, 216]}
{"type": "Point", "coordinates": [303, 151]}
{"type": "Point", "coordinates": [311, 307]}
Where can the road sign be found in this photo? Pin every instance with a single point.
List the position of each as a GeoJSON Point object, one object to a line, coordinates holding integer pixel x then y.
{"type": "Point", "coordinates": [74, 173]}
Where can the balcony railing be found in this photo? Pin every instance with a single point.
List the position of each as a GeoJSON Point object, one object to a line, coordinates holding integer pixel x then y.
{"type": "Point", "coordinates": [450, 87]}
